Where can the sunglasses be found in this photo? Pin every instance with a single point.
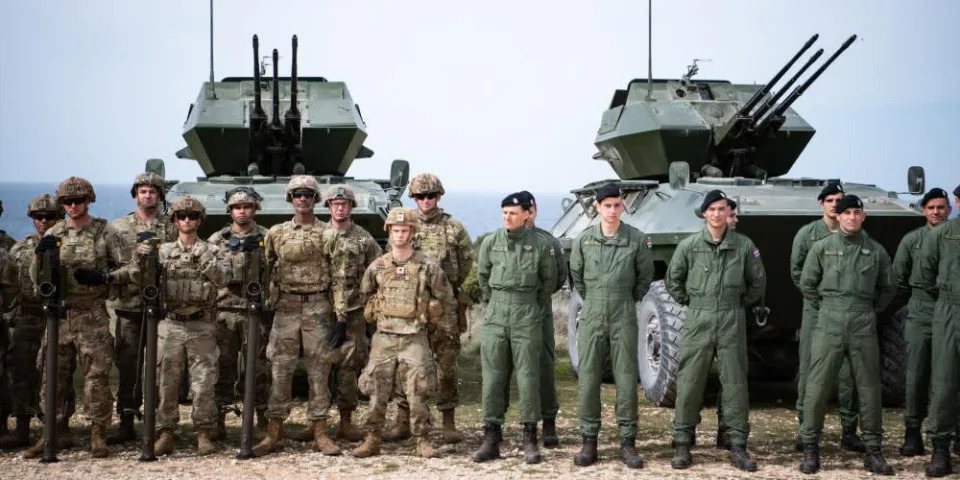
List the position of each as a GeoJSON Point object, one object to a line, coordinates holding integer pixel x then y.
{"type": "Point", "coordinates": [307, 194]}
{"type": "Point", "coordinates": [45, 217]}
{"type": "Point", "coordinates": [73, 201]}
{"type": "Point", "coordinates": [187, 215]}
{"type": "Point", "coordinates": [428, 196]}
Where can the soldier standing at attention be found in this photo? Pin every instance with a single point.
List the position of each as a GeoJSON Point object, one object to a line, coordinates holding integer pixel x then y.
{"type": "Point", "coordinates": [304, 316]}
{"type": "Point", "coordinates": [405, 290]}
{"type": "Point", "coordinates": [232, 242]}
{"type": "Point", "coordinates": [8, 293]}
{"type": "Point", "coordinates": [918, 330]}
{"type": "Point", "coordinates": [6, 241]}
{"type": "Point", "coordinates": [92, 254]}
{"type": "Point", "coordinates": [444, 239]}
{"type": "Point", "coordinates": [939, 276]}
{"type": "Point", "coordinates": [715, 274]}
{"type": "Point", "coordinates": [612, 269]}
{"type": "Point", "coordinates": [148, 191]}
{"type": "Point", "coordinates": [847, 279]}
{"type": "Point", "coordinates": [847, 407]}
{"type": "Point", "coordinates": [187, 335]}
{"type": "Point", "coordinates": [515, 269]}
{"type": "Point", "coordinates": [26, 329]}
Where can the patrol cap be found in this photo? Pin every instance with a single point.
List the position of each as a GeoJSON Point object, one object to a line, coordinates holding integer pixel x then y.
{"type": "Point", "coordinates": [712, 196]}
{"type": "Point", "coordinates": [933, 194]}
{"type": "Point", "coordinates": [607, 191]}
{"type": "Point", "coordinates": [848, 202]}
{"type": "Point", "coordinates": [513, 200]}
{"type": "Point", "coordinates": [829, 189]}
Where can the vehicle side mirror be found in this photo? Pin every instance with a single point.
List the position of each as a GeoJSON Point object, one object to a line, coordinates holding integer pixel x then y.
{"type": "Point", "coordinates": [399, 173]}
{"type": "Point", "coordinates": [679, 174]}
{"type": "Point", "coordinates": [916, 180]}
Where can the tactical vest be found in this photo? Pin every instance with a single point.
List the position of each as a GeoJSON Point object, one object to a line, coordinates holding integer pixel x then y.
{"type": "Point", "coordinates": [83, 248]}
{"type": "Point", "coordinates": [436, 240]}
{"type": "Point", "coordinates": [127, 228]}
{"type": "Point", "coordinates": [233, 263]}
{"type": "Point", "coordinates": [298, 251]}
{"type": "Point", "coordinates": [402, 297]}
{"type": "Point", "coordinates": [187, 290]}
{"type": "Point", "coordinates": [22, 256]}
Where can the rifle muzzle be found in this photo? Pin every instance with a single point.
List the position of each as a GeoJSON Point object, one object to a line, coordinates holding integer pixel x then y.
{"type": "Point", "coordinates": [46, 289]}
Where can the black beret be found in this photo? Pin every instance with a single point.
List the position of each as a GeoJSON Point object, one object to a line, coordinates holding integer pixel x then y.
{"type": "Point", "coordinates": [512, 200]}
{"type": "Point", "coordinates": [712, 196]}
{"type": "Point", "coordinates": [830, 189]}
{"type": "Point", "coordinates": [956, 191]}
{"type": "Point", "coordinates": [934, 193]}
{"type": "Point", "coordinates": [732, 204]}
{"type": "Point", "coordinates": [607, 191]}
{"type": "Point", "coordinates": [847, 202]}
{"type": "Point", "coordinates": [527, 199]}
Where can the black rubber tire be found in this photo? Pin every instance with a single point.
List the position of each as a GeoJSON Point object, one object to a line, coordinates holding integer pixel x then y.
{"type": "Point", "coordinates": [893, 359]}
{"type": "Point", "coordinates": [659, 355]}
{"type": "Point", "coordinates": [573, 322]}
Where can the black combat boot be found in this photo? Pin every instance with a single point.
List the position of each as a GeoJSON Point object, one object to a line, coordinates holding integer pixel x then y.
{"type": "Point", "coordinates": [628, 452]}
{"type": "Point", "coordinates": [740, 459]}
{"type": "Point", "coordinates": [912, 442]}
{"type": "Point", "coordinates": [490, 448]}
{"type": "Point", "coordinates": [681, 456]}
{"type": "Point", "coordinates": [851, 442]}
{"type": "Point", "coordinates": [874, 462]}
{"type": "Point", "coordinates": [723, 439]}
{"type": "Point", "coordinates": [588, 452]}
{"type": "Point", "coordinates": [531, 448]}
{"type": "Point", "coordinates": [939, 465]}
{"type": "Point", "coordinates": [124, 432]}
{"type": "Point", "coordinates": [811, 458]}
{"type": "Point", "coordinates": [550, 439]}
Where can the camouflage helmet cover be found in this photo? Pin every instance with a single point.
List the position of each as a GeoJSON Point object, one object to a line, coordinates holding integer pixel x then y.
{"type": "Point", "coordinates": [242, 196]}
{"type": "Point", "coordinates": [76, 187]}
{"type": "Point", "coordinates": [401, 216]}
{"type": "Point", "coordinates": [44, 203]}
{"type": "Point", "coordinates": [299, 182]}
{"type": "Point", "coordinates": [339, 191]}
{"type": "Point", "coordinates": [148, 179]}
{"type": "Point", "coordinates": [426, 183]}
{"type": "Point", "coordinates": [188, 204]}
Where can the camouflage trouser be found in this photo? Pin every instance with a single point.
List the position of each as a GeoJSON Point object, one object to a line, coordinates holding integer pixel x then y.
{"type": "Point", "coordinates": [85, 333]}
{"type": "Point", "coordinates": [232, 340]}
{"type": "Point", "coordinates": [192, 344]}
{"type": "Point", "coordinates": [352, 357]}
{"type": "Point", "coordinates": [300, 320]}
{"type": "Point", "coordinates": [445, 347]}
{"type": "Point", "coordinates": [401, 364]}
{"type": "Point", "coordinates": [23, 378]}
{"type": "Point", "coordinates": [127, 347]}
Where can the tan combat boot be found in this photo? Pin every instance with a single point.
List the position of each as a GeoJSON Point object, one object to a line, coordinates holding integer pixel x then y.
{"type": "Point", "coordinates": [323, 443]}
{"type": "Point", "coordinates": [35, 451]}
{"type": "Point", "coordinates": [273, 442]}
{"type": "Point", "coordinates": [305, 435]}
{"type": "Point", "coordinates": [98, 443]}
{"type": "Point", "coordinates": [401, 429]}
{"type": "Point", "coordinates": [205, 446]}
{"type": "Point", "coordinates": [347, 431]}
{"type": "Point", "coordinates": [164, 444]}
{"type": "Point", "coordinates": [450, 433]}
{"type": "Point", "coordinates": [424, 448]}
{"type": "Point", "coordinates": [370, 446]}
{"type": "Point", "coordinates": [20, 437]}
{"type": "Point", "coordinates": [260, 432]}
{"type": "Point", "coordinates": [220, 431]}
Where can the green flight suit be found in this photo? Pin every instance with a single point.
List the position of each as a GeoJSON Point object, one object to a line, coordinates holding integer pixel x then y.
{"type": "Point", "coordinates": [612, 274]}
{"type": "Point", "coordinates": [514, 270]}
{"type": "Point", "coordinates": [715, 280]}
{"type": "Point", "coordinates": [846, 393]}
{"type": "Point", "coordinates": [847, 279]}
{"type": "Point", "coordinates": [939, 275]}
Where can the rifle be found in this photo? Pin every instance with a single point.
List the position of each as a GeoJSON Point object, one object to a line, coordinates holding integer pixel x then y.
{"type": "Point", "coordinates": [151, 305]}
{"type": "Point", "coordinates": [52, 287]}
{"type": "Point", "coordinates": [253, 277]}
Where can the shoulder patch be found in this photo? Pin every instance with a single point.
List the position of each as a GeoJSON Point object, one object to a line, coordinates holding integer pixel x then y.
{"type": "Point", "coordinates": [648, 242]}
{"type": "Point", "coordinates": [756, 253]}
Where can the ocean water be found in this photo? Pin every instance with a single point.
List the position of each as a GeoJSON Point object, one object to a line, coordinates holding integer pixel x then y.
{"type": "Point", "coordinates": [479, 212]}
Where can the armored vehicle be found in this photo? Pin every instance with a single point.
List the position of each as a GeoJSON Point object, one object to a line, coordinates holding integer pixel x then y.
{"type": "Point", "coordinates": [670, 142]}
{"type": "Point", "coordinates": [312, 126]}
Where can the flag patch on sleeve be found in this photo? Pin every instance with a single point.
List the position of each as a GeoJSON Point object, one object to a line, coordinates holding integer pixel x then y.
{"type": "Point", "coordinates": [756, 253]}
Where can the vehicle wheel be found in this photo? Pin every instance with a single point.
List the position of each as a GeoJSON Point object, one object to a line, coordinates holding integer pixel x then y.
{"type": "Point", "coordinates": [893, 359]}
{"type": "Point", "coordinates": [660, 324]}
{"type": "Point", "coordinates": [573, 322]}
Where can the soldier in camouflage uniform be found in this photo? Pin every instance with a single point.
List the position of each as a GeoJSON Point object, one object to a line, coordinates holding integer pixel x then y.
{"type": "Point", "coordinates": [300, 296]}
{"type": "Point", "coordinates": [148, 191]}
{"type": "Point", "coordinates": [405, 291]}
{"type": "Point", "coordinates": [8, 294]}
{"type": "Point", "coordinates": [27, 326]}
{"type": "Point", "coordinates": [6, 241]}
{"type": "Point", "coordinates": [444, 239]}
{"type": "Point", "coordinates": [187, 335]}
{"type": "Point", "coordinates": [232, 243]}
{"type": "Point", "coordinates": [92, 254]}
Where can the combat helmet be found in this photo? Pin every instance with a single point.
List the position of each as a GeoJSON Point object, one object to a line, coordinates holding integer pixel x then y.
{"type": "Point", "coordinates": [76, 187]}
{"type": "Point", "coordinates": [242, 196]}
{"type": "Point", "coordinates": [339, 191]}
{"type": "Point", "coordinates": [425, 183]}
{"type": "Point", "coordinates": [299, 182]}
{"type": "Point", "coordinates": [188, 204]}
{"type": "Point", "coordinates": [44, 203]}
{"type": "Point", "coordinates": [401, 216]}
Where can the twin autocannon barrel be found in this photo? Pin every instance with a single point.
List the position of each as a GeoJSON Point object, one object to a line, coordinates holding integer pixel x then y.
{"type": "Point", "coordinates": [275, 145]}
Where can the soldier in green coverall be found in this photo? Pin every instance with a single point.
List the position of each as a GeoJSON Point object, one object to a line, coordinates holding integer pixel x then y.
{"type": "Point", "coordinates": [612, 269]}
{"type": "Point", "coordinates": [918, 329]}
{"type": "Point", "coordinates": [939, 275]}
{"type": "Point", "coordinates": [515, 269]}
{"type": "Point", "coordinates": [715, 273]}
{"type": "Point", "coordinates": [846, 393]}
{"type": "Point", "coordinates": [847, 278]}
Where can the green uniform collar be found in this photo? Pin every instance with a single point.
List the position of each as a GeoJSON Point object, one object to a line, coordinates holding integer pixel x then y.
{"type": "Point", "coordinates": [620, 239]}
{"type": "Point", "coordinates": [725, 243]}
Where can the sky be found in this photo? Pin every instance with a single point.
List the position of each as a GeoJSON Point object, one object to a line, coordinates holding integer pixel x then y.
{"type": "Point", "coordinates": [491, 96]}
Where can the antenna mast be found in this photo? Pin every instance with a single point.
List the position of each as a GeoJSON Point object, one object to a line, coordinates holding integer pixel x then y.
{"type": "Point", "coordinates": [213, 87]}
{"type": "Point", "coordinates": [649, 50]}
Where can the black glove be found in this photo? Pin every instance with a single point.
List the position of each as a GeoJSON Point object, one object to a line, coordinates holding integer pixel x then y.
{"type": "Point", "coordinates": [47, 243]}
{"type": "Point", "coordinates": [338, 335]}
{"type": "Point", "coordinates": [250, 243]}
{"type": "Point", "coordinates": [91, 276]}
{"type": "Point", "coordinates": [144, 236]}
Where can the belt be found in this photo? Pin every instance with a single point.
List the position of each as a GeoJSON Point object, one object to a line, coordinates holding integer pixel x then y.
{"type": "Point", "coordinates": [714, 302]}
{"type": "Point", "coordinates": [949, 297]}
{"type": "Point", "coordinates": [129, 315]}
{"type": "Point", "coordinates": [85, 302]}
{"type": "Point", "coordinates": [847, 303]}
{"type": "Point", "coordinates": [232, 309]}
{"type": "Point", "coordinates": [179, 317]}
{"type": "Point", "coordinates": [31, 310]}
{"type": "Point", "coordinates": [305, 297]}
{"type": "Point", "coordinates": [513, 296]}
